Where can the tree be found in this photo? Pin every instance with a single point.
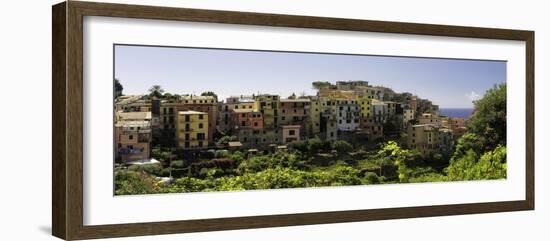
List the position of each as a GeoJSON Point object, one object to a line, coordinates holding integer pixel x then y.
{"type": "Point", "coordinates": [321, 84]}
{"type": "Point", "coordinates": [489, 118]}
{"type": "Point", "coordinates": [392, 152]}
{"type": "Point", "coordinates": [491, 165]}
{"type": "Point", "coordinates": [156, 91]}
{"type": "Point", "coordinates": [118, 88]}
{"type": "Point", "coordinates": [314, 145]}
{"type": "Point", "coordinates": [465, 143]}
{"type": "Point", "coordinates": [209, 93]}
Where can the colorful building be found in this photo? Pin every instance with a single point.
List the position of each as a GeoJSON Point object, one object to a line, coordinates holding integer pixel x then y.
{"type": "Point", "coordinates": [268, 105]}
{"type": "Point", "coordinates": [428, 118]}
{"type": "Point", "coordinates": [258, 138]}
{"type": "Point", "coordinates": [424, 138]}
{"type": "Point", "coordinates": [232, 103]}
{"type": "Point", "coordinates": [380, 111]}
{"type": "Point", "coordinates": [348, 114]}
{"type": "Point", "coordinates": [365, 104]}
{"type": "Point", "coordinates": [291, 133]}
{"type": "Point", "coordinates": [323, 113]}
{"type": "Point", "coordinates": [374, 130]}
{"type": "Point", "coordinates": [133, 136]}
{"type": "Point", "coordinates": [192, 129]}
{"type": "Point", "coordinates": [408, 116]}
{"type": "Point", "coordinates": [246, 118]}
{"type": "Point", "coordinates": [295, 112]}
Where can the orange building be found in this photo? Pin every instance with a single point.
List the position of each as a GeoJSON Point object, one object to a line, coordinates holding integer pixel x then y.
{"type": "Point", "coordinates": [247, 118]}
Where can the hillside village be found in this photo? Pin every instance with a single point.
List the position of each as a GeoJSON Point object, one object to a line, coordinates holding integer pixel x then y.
{"type": "Point", "coordinates": [353, 111]}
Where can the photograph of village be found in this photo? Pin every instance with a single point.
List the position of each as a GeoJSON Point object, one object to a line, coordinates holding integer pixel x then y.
{"type": "Point", "coordinates": [203, 120]}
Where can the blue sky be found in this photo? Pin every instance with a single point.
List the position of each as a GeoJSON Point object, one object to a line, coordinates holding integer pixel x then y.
{"type": "Point", "coordinates": [450, 83]}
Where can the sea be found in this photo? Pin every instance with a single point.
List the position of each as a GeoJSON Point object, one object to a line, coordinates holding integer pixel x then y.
{"type": "Point", "coordinates": [457, 112]}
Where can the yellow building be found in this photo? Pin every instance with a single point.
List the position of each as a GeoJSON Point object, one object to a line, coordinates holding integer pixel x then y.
{"type": "Point", "coordinates": [192, 130]}
{"type": "Point", "coordinates": [424, 138]}
{"type": "Point", "coordinates": [365, 103]}
{"type": "Point", "coordinates": [232, 103]}
{"type": "Point", "coordinates": [268, 105]}
{"type": "Point", "coordinates": [431, 119]}
{"type": "Point", "coordinates": [315, 116]}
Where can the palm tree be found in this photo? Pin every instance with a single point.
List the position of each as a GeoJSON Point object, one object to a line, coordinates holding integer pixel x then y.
{"type": "Point", "coordinates": [156, 91]}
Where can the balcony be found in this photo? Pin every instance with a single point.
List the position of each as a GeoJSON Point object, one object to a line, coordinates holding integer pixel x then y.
{"type": "Point", "coordinates": [135, 131]}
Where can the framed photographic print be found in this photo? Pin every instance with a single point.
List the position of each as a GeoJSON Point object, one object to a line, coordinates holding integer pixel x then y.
{"type": "Point", "coordinates": [171, 120]}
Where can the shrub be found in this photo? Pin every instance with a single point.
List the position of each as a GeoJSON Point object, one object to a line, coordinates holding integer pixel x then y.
{"type": "Point", "coordinates": [342, 147]}
{"type": "Point", "coordinates": [130, 182]}
{"type": "Point", "coordinates": [152, 169]}
{"type": "Point", "coordinates": [371, 178]}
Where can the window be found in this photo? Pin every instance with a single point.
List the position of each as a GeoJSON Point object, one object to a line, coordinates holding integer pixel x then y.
{"type": "Point", "coordinates": [201, 117]}
{"type": "Point", "coordinates": [292, 132]}
{"type": "Point", "coordinates": [131, 137]}
{"type": "Point", "coordinates": [255, 123]}
{"type": "Point", "coordinates": [200, 125]}
{"type": "Point", "coordinates": [187, 137]}
{"type": "Point", "coordinates": [243, 123]}
{"type": "Point", "coordinates": [187, 118]}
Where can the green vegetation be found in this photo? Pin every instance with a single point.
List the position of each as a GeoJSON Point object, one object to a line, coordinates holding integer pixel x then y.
{"type": "Point", "coordinates": [156, 91]}
{"type": "Point", "coordinates": [489, 120]}
{"type": "Point", "coordinates": [321, 84]}
{"type": "Point", "coordinates": [209, 93]}
{"type": "Point", "coordinates": [118, 88]}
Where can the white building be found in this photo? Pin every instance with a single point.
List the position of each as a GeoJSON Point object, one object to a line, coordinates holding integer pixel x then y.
{"type": "Point", "coordinates": [348, 114]}
{"type": "Point", "coordinates": [380, 111]}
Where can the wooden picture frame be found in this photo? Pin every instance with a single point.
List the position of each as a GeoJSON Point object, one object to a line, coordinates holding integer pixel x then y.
{"type": "Point", "coordinates": [67, 123]}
